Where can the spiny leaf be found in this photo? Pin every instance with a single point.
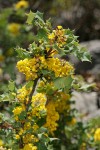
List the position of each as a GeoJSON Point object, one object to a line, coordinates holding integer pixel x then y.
{"type": "Point", "coordinates": [86, 57]}
{"type": "Point", "coordinates": [39, 16]}
{"type": "Point", "coordinates": [11, 85]}
{"type": "Point", "coordinates": [42, 34]}
{"type": "Point", "coordinates": [29, 84]}
{"type": "Point", "coordinates": [63, 82]}
{"type": "Point", "coordinates": [30, 17]}
{"type": "Point", "coordinates": [22, 53]}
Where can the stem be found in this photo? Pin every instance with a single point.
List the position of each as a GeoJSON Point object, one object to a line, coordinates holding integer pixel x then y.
{"type": "Point", "coordinates": [33, 89]}
{"type": "Point", "coordinates": [27, 107]}
{"type": "Point", "coordinates": [31, 94]}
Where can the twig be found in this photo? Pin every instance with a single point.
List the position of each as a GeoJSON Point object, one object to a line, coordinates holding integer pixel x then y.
{"type": "Point", "coordinates": [31, 94]}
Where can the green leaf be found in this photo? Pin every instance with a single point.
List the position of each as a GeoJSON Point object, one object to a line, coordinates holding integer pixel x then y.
{"type": "Point", "coordinates": [4, 98]}
{"type": "Point", "coordinates": [60, 51]}
{"type": "Point", "coordinates": [82, 53]}
{"type": "Point", "coordinates": [42, 34]}
{"type": "Point", "coordinates": [41, 146]}
{"type": "Point", "coordinates": [63, 82]}
{"type": "Point", "coordinates": [42, 130]}
{"type": "Point", "coordinates": [39, 16]}
{"type": "Point", "coordinates": [30, 17]}
{"type": "Point", "coordinates": [86, 57]}
{"type": "Point", "coordinates": [29, 84]}
{"type": "Point", "coordinates": [54, 139]}
{"type": "Point", "coordinates": [87, 87]}
{"type": "Point", "coordinates": [22, 53]}
{"type": "Point", "coordinates": [50, 147]}
{"type": "Point", "coordinates": [41, 122]}
{"type": "Point", "coordinates": [11, 85]}
{"type": "Point", "coordinates": [22, 115]}
{"type": "Point", "coordinates": [45, 72]}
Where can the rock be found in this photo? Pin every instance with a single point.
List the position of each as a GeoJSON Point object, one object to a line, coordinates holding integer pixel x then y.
{"type": "Point", "coordinates": [85, 102]}
{"type": "Point", "coordinates": [94, 114]}
{"type": "Point", "coordinates": [94, 67]}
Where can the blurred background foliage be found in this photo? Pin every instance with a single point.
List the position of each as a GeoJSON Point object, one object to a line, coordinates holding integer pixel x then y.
{"type": "Point", "coordinates": [82, 16]}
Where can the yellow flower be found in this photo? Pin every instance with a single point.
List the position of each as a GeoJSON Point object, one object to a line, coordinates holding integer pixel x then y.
{"type": "Point", "coordinates": [38, 104]}
{"type": "Point", "coordinates": [27, 126]}
{"type": "Point", "coordinates": [58, 36]}
{"type": "Point", "coordinates": [14, 28]}
{"type": "Point", "coordinates": [60, 67]}
{"type": "Point", "coordinates": [35, 127]}
{"type": "Point", "coordinates": [59, 27]}
{"type": "Point", "coordinates": [22, 4]}
{"type": "Point", "coordinates": [1, 142]}
{"type": "Point", "coordinates": [23, 93]}
{"type": "Point", "coordinates": [29, 147]}
{"type": "Point", "coordinates": [18, 110]}
{"type": "Point", "coordinates": [28, 67]}
{"type": "Point", "coordinates": [52, 118]}
{"type": "Point", "coordinates": [97, 135]}
{"type": "Point", "coordinates": [28, 138]}
{"type": "Point", "coordinates": [17, 136]}
{"type": "Point", "coordinates": [21, 131]}
{"type": "Point", "coordinates": [62, 103]}
{"type": "Point", "coordinates": [51, 36]}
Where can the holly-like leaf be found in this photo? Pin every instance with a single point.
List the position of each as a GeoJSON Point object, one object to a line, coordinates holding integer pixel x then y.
{"type": "Point", "coordinates": [30, 17]}
{"type": "Point", "coordinates": [39, 16]}
{"type": "Point", "coordinates": [22, 53]}
{"type": "Point", "coordinates": [63, 82]}
{"type": "Point", "coordinates": [4, 98]}
{"type": "Point", "coordinates": [42, 34]}
{"type": "Point", "coordinates": [41, 146]}
{"type": "Point", "coordinates": [35, 16]}
{"type": "Point", "coordinates": [86, 57]}
{"type": "Point", "coordinates": [11, 85]}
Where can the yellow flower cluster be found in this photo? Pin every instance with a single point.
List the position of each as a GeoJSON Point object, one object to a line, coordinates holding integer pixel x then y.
{"type": "Point", "coordinates": [14, 28]}
{"type": "Point", "coordinates": [38, 107]}
{"type": "Point", "coordinates": [59, 67]}
{"type": "Point", "coordinates": [51, 36]}
{"type": "Point", "coordinates": [97, 135]}
{"type": "Point", "coordinates": [58, 36]}
{"type": "Point", "coordinates": [17, 110]}
{"type": "Point", "coordinates": [29, 147]}
{"type": "Point", "coordinates": [28, 67]}
{"type": "Point", "coordinates": [29, 138]}
{"type": "Point", "coordinates": [23, 94]}
{"type": "Point", "coordinates": [61, 104]}
{"type": "Point", "coordinates": [38, 104]}
{"type": "Point", "coordinates": [52, 117]}
{"type": "Point", "coordinates": [22, 4]}
{"type": "Point", "coordinates": [25, 135]}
